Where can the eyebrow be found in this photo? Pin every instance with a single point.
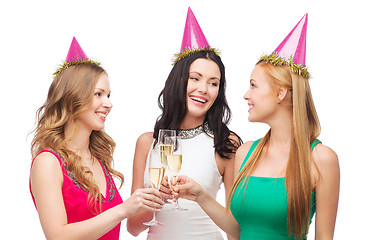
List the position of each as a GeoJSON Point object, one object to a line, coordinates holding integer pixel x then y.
{"type": "Point", "coordinates": [202, 75]}
{"type": "Point", "coordinates": [101, 89]}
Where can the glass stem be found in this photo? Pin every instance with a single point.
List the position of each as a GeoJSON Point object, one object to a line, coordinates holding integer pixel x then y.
{"type": "Point", "coordinates": [154, 217]}
{"type": "Point", "coordinates": [177, 200]}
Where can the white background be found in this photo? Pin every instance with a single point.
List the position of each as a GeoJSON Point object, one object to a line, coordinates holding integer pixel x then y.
{"type": "Point", "coordinates": [135, 41]}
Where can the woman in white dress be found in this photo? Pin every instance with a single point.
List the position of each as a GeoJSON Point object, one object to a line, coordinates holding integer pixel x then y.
{"type": "Point", "coordinates": [193, 103]}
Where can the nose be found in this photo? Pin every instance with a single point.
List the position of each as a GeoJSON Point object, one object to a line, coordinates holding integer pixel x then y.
{"type": "Point", "coordinates": [107, 103]}
{"type": "Point", "coordinates": [202, 87]}
{"type": "Point", "coordinates": [247, 95]}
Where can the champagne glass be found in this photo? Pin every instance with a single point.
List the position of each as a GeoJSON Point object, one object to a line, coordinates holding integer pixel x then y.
{"type": "Point", "coordinates": [165, 144]}
{"type": "Point", "coordinates": [174, 161]}
{"type": "Point", "coordinates": [156, 174]}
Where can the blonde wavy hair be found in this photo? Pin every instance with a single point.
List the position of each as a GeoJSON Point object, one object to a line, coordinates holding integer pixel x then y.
{"type": "Point", "coordinates": [71, 93]}
{"type": "Point", "coordinates": [306, 129]}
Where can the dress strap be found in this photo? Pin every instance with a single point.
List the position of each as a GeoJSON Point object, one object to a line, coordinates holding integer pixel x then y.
{"type": "Point", "coordinates": [253, 146]}
{"type": "Point", "coordinates": [315, 143]}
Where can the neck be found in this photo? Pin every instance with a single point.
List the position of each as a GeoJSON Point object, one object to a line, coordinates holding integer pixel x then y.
{"type": "Point", "coordinates": [281, 131]}
{"type": "Point", "coordinates": [191, 122]}
{"type": "Point", "coordinates": [80, 142]}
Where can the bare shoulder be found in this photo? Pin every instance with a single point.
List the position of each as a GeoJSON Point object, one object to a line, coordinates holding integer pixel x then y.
{"type": "Point", "coordinates": [327, 162]}
{"type": "Point", "coordinates": [241, 154]}
{"type": "Point", "coordinates": [145, 138]}
{"type": "Point", "coordinates": [46, 170]}
{"type": "Point", "coordinates": [243, 149]}
{"type": "Point", "coordinates": [45, 162]}
{"type": "Point", "coordinates": [324, 156]}
{"type": "Point", "coordinates": [143, 145]}
{"type": "Point", "coordinates": [140, 156]}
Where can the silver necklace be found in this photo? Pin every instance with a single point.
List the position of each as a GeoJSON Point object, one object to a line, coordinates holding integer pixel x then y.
{"type": "Point", "coordinates": [193, 132]}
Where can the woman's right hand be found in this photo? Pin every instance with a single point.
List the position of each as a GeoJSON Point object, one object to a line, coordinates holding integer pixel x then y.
{"type": "Point", "coordinates": [184, 187]}
{"type": "Point", "coordinates": [146, 199]}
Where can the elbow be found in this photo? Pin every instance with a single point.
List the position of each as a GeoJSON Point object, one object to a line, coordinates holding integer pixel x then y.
{"type": "Point", "coordinates": [132, 228]}
{"type": "Point", "coordinates": [133, 232]}
{"type": "Point", "coordinates": [54, 237]}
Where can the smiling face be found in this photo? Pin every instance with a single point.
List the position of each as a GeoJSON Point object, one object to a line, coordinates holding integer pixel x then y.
{"type": "Point", "coordinates": [93, 118]}
{"type": "Point", "coordinates": [261, 97]}
{"type": "Point", "coordinates": [202, 87]}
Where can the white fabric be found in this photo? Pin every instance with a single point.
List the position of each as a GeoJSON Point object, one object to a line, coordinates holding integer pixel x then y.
{"type": "Point", "coordinates": [198, 163]}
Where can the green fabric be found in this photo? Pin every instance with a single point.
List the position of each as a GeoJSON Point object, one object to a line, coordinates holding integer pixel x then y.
{"type": "Point", "coordinates": [263, 213]}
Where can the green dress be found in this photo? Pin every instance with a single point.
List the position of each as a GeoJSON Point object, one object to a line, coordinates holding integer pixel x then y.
{"type": "Point", "coordinates": [263, 213]}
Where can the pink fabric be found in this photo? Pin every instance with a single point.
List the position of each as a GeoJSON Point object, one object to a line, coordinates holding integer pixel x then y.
{"type": "Point", "coordinates": [75, 199]}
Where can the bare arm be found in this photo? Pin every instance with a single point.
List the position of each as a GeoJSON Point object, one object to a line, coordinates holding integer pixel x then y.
{"type": "Point", "coordinates": [229, 168]}
{"type": "Point", "coordinates": [46, 183]}
{"type": "Point", "coordinates": [228, 179]}
{"type": "Point", "coordinates": [135, 223]}
{"type": "Point", "coordinates": [189, 189]}
{"type": "Point", "coordinates": [228, 174]}
{"type": "Point", "coordinates": [327, 191]}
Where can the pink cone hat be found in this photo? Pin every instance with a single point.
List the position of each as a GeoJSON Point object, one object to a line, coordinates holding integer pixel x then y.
{"type": "Point", "coordinates": [193, 39]}
{"type": "Point", "coordinates": [193, 35]}
{"type": "Point", "coordinates": [294, 45]}
{"type": "Point", "coordinates": [75, 52]}
{"type": "Point", "coordinates": [75, 56]}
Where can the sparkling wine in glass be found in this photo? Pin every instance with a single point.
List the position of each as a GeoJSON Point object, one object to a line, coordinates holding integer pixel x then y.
{"type": "Point", "coordinates": [156, 174]}
{"type": "Point", "coordinates": [174, 162]}
{"type": "Point", "coordinates": [165, 144]}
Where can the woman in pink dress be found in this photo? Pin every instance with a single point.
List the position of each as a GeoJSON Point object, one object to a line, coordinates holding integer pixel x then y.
{"type": "Point", "coordinates": [71, 178]}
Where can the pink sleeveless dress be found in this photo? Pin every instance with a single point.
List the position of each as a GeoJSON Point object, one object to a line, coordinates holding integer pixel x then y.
{"type": "Point", "coordinates": [75, 197]}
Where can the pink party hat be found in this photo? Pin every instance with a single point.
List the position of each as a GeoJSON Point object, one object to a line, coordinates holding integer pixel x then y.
{"type": "Point", "coordinates": [75, 56]}
{"type": "Point", "coordinates": [193, 39]}
{"type": "Point", "coordinates": [291, 51]}
{"type": "Point", "coordinates": [294, 44]}
{"type": "Point", "coordinates": [193, 35]}
{"type": "Point", "coordinates": [75, 52]}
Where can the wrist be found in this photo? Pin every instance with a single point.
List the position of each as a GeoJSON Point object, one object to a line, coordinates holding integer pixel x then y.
{"type": "Point", "coordinates": [122, 212]}
{"type": "Point", "coordinates": [202, 197]}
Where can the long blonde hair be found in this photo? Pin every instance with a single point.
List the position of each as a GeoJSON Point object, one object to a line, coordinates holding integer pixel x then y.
{"type": "Point", "coordinates": [71, 93]}
{"type": "Point", "coordinates": [306, 129]}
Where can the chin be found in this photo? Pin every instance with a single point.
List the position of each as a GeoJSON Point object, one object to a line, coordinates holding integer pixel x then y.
{"type": "Point", "coordinates": [197, 113]}
{"type": "Point", "coordinates": [252, 119]}
{"type": "Point", "coordinates": [98, 128]}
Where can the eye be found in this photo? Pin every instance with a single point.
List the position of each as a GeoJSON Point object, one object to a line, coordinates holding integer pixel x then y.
{"type": "Point", "coordinates": [252, 85]}
{"type": "Point", "coordinates": [98, 94]}
{"type": "Point", "coordinates": [214, 84]}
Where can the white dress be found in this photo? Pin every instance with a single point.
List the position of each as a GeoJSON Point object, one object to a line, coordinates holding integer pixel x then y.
{"type": "Point", "coordinates": [199, 164]}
